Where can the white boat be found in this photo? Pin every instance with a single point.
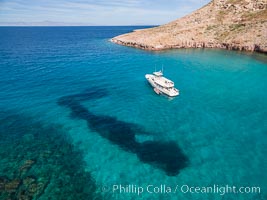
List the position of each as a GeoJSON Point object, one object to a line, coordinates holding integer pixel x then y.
{"type": "Point", "coordinates": [162, 84]}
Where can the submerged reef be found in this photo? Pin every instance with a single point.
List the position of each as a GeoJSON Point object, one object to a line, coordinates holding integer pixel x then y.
{"type": "Point", "coordinates": [38, 161]}
{"type": "Point", "coordinates": [165, 155]}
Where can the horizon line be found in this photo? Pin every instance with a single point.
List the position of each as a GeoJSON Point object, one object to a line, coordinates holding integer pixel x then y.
{"type": "Point", "coordinates": [70, 25]}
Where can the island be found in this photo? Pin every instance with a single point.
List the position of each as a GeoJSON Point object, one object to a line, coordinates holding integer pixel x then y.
{"type": "Point", "coordinates": [227, 24]}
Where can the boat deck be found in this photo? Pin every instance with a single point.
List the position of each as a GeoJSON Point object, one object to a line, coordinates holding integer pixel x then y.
{"type": "Point", "coordinates": [164, 82]}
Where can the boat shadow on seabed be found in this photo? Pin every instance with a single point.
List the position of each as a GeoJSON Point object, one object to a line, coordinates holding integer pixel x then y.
{"type": "Point", "coordinates": [166, 156]}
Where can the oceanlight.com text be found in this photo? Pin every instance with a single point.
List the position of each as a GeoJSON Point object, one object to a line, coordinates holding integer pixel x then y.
{"type": "Point", "coordinates": [221, 190]}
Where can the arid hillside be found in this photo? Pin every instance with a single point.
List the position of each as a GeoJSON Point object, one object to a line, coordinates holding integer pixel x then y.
{"type": "Point", "coordinates": [227, 24]}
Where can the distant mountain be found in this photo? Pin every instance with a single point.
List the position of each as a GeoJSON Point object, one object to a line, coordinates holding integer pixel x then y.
{"type": "Point", "coordinates": [227, 24]}
{"type": "Point", "coordinates": [44, 23]}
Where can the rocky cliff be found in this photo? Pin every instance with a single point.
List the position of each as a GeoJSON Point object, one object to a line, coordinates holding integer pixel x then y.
{"type": "Point", "coordinates": [227, 24]}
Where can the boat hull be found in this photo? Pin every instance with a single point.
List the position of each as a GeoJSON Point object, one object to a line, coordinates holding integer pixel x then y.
{"type": "Point", "coordinates": [171, 92]}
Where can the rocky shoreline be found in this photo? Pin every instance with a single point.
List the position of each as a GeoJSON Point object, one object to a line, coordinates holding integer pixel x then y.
{"type": "Point", "coordinates": [225, 24]}
{"type": "Point", "coordinates": [228, 46]}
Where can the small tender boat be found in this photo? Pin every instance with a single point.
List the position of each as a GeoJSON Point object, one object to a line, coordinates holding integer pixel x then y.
{"type": "Point", "coordinates": [162, 84]}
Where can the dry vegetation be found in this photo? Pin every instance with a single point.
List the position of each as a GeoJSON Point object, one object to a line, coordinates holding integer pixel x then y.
{"type": "Point", "coordinates": [229, 24]}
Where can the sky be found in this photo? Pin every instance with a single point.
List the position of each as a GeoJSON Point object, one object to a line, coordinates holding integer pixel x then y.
{"type": "Point", "coordinates": [95, 12]}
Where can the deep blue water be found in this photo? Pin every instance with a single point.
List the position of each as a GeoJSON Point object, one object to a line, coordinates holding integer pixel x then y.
{"type": "Point", "coordinates": [77, 115]}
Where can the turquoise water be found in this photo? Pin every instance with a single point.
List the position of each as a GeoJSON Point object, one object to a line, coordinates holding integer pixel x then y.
{"type": "Point", "coordinates": [78, 117]}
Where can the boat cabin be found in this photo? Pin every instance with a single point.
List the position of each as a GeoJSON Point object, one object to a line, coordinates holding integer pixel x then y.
{"type": "Point", "coordinates": [158, 74]}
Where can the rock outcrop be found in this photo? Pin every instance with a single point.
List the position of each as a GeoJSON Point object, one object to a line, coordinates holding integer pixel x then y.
{"type": "Point", "coordinates": [227, 24]}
